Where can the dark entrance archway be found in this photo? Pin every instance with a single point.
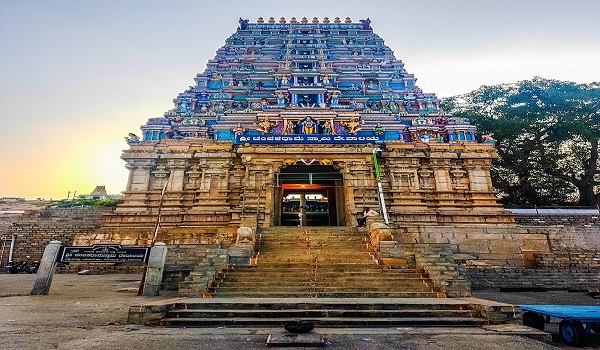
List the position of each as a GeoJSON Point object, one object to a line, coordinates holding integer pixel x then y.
{"type": "Point", "coordinates": [309, 195]}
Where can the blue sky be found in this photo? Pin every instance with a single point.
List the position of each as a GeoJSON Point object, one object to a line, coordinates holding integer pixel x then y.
{"type": "Point", "coordinates": [77, 76]}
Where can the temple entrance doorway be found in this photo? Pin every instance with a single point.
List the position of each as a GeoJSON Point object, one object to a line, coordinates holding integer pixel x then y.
{"type": "Point", "coordinates": [309, 195]}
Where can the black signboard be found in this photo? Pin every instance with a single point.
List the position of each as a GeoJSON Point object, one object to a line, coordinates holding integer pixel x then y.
{"type": "Point", "coordinates": [104, 253]}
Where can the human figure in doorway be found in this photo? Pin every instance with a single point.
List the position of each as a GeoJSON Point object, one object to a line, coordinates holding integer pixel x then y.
{"type": "Point", "coordinates": [367, 212]}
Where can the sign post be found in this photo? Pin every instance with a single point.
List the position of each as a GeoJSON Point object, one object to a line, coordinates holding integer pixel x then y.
{"type": "Point", "coordinates": [98, 253]}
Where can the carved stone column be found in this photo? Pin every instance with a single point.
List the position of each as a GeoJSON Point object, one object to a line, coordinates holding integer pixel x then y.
{"type": "Point", "coordinates": [136, 193]}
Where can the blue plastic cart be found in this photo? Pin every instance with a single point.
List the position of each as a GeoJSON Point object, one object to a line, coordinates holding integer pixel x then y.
{"type": "Point", "coordinates": [576, 321]}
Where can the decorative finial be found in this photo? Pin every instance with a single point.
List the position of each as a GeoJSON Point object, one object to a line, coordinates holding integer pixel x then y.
{"type": "Point", "coordinates": [271, 20]}
{"type": "Point", "coordinates": [293, 20]}
{"type": "Point", "coordinates": [326, 20]}
{"type": "Point", "coordinates": [282, 20]}
{"type": "Point", "coordinates": [348, 20]}
{"type": "Point", "coordinates": [337, 20]}
{"type": "Point", "coordinates": [304, 20]}
{"type": "Point", "coordinates": [315, 20]}
{"type": "Point", "coordinates": [260, 20]}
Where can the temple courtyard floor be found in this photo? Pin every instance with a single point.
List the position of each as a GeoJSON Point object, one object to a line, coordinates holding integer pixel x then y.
{"type": "Point", "coordinates": [90, 312]}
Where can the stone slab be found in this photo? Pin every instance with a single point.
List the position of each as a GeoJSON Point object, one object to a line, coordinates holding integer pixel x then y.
{"type": "Point", "coordinates": [287, 339]}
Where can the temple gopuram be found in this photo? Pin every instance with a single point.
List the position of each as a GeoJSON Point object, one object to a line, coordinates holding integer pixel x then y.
{"type": "Point", "coordinates": [286, 126]}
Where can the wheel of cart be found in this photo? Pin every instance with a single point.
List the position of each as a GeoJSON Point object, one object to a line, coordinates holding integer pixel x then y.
{"type": "Point", "coordinates": [576, 321]}
{"type": "Point", "coordinates": [533, 320]}
{"type": "Point", "coordinates": [572, 332]}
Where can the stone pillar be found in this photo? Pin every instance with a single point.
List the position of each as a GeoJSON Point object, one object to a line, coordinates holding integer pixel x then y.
{"type": "Point", "coordinates": [154, 271]}
{"type": "Point", "coordinates": [479, 179]}
{"type": "Point", "coordinates": [302, 210]}
{"type": "Point", "coordinates": [177, 168]}
{"type": "Point", "coordinates": [43, 279]}
{"type": "Point", "coordinates": [139, 176]}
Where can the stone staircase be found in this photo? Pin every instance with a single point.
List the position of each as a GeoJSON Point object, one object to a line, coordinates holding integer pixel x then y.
{"type": "Point", "coordinates": [328, 275]}
{"type": "Point", "coordinates": [330, 312]}
{"type": "Point", "coordinates": [320, 262]}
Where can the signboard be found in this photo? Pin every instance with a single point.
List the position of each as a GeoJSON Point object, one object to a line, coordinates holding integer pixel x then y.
{"type": "Point", "coordinates": [312, 138]}
{"type": "Point", "coordinates": [104, 253]}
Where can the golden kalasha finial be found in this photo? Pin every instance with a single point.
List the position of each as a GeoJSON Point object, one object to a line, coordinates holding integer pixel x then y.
{"type": "Point", "coordinates": [293, 20]}
{"type": "Point", "coordinates": [315, 20]}
{"type": "Point", "coordinates": [282, 20]}
{"type": "Point", "coordinates": [260, 20]}
{"type": "Point", "coordinates": [337, 20]}
{"type": "Point", "coordinates": [326, 20]}
{"type": "Point", "coordinates": [348, 20]}
{"type": "Point", "coordinates": [271, 20]}
{"type": "Point", "coordinates": [304, 20]}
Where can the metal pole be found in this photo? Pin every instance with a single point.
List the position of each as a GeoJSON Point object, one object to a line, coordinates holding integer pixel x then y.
{"type": "Point", "coordinates": [2, 251]}
{"type": "Point", "coordinates": [12, 248]}
{"type": "Point", "coordinates": [379, 188]}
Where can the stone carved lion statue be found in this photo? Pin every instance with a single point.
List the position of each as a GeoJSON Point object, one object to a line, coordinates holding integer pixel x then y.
{"type": "Point", "coordinates": [380, 232]}
{"type": "Point", "coordinates": [245, 235]}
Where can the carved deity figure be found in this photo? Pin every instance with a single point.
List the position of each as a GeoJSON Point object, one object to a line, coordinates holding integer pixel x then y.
{"type": "Point", "coordinates": [243, 23]}
{"type": "Point", "coordinates": [288, 128]}
{"type": "Point", "coordinates": [280, 98]}
{"type": "Point", "coordinates": [328, 128]}
{"type": "Point", "coordinates": [366, 23]}
{"type": "Point", "coordinates": [487, 138]}
{"type": "Point", "coordinates": [378, 129]}
{"type": "Point", "coordinates": [239, 129]}
{"type": "Point", "coordinates": [264, 126]}
{"type": "Point", "coordinates": [308, 126]}
{"type": "Point", "coordinates": [132, 138]}
{"type": "Point", "coordinates": [353, 125]}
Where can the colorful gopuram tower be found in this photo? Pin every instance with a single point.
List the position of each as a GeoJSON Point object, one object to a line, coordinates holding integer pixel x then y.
{"type": "Point", "coordinates": [284, 127]}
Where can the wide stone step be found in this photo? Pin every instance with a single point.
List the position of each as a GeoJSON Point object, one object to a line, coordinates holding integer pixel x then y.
{"type": "Point", "coordinates": [366, 292]}
{"type": "Point", "coordinates": [317, 294]}
{"type": "Point", "coordinates": [327, 321]}
{"type": "Point", "coordinates": [331, 278]}
{"type": "Point", "coordinates": [303, 314]}
{"type": "Point", "coordinates": [345, 269]}
{"type": "Point", "coordinates": [322, 303]}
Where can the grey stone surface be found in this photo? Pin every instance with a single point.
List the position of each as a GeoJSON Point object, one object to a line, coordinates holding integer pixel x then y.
{"type": "Point", "coordinates": [287, 339]}
{"type": "Point", "coordinates": [45, 273]}
{"type": "Point", "coordinates": [155, 268]}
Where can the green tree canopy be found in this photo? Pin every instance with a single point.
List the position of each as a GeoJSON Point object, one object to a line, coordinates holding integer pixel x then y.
{"type": "Point", "coordinates": [547, 134]}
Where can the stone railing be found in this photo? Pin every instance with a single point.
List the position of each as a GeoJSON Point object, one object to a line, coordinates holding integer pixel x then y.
{"type": "Point", "coordinates": [204, 275]}
{"type": "Point", "coordinates": [437, 261]}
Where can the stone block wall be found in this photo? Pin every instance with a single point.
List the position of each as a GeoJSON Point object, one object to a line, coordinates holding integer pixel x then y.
{"type": "Point", "coordinates": [504, 246]}
{"type": "Point", "coordinates": [549, 278]}
{"type": "Point", "coordinates": [581, 220]}
{"type": "Point", "coordinates": [577, 259]}
{"type": "Point", "coordinates": [34, 230]}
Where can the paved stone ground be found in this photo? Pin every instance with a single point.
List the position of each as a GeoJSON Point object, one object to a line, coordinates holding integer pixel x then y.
{"type": "Point", "coordinates": [90, 312]}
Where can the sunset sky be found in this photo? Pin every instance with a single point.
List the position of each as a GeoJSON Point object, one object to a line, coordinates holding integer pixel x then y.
{"type": "Point", "coordinates": [77, 76]}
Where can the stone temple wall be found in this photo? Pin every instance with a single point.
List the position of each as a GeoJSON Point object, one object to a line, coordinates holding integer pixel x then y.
{"type": "Point", "coordinates": [504, 246]}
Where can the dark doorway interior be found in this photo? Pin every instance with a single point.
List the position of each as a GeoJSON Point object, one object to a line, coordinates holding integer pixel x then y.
{"type": "Point", "coordinates": [309, 196]}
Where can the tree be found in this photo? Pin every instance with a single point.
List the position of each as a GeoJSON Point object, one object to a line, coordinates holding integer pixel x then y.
{"type": "Point", "coordinates": [547, 134]}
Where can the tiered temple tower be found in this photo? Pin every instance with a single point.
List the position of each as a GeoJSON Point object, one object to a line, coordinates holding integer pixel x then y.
{"type": "Point", "coordinates": [283, 127]}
